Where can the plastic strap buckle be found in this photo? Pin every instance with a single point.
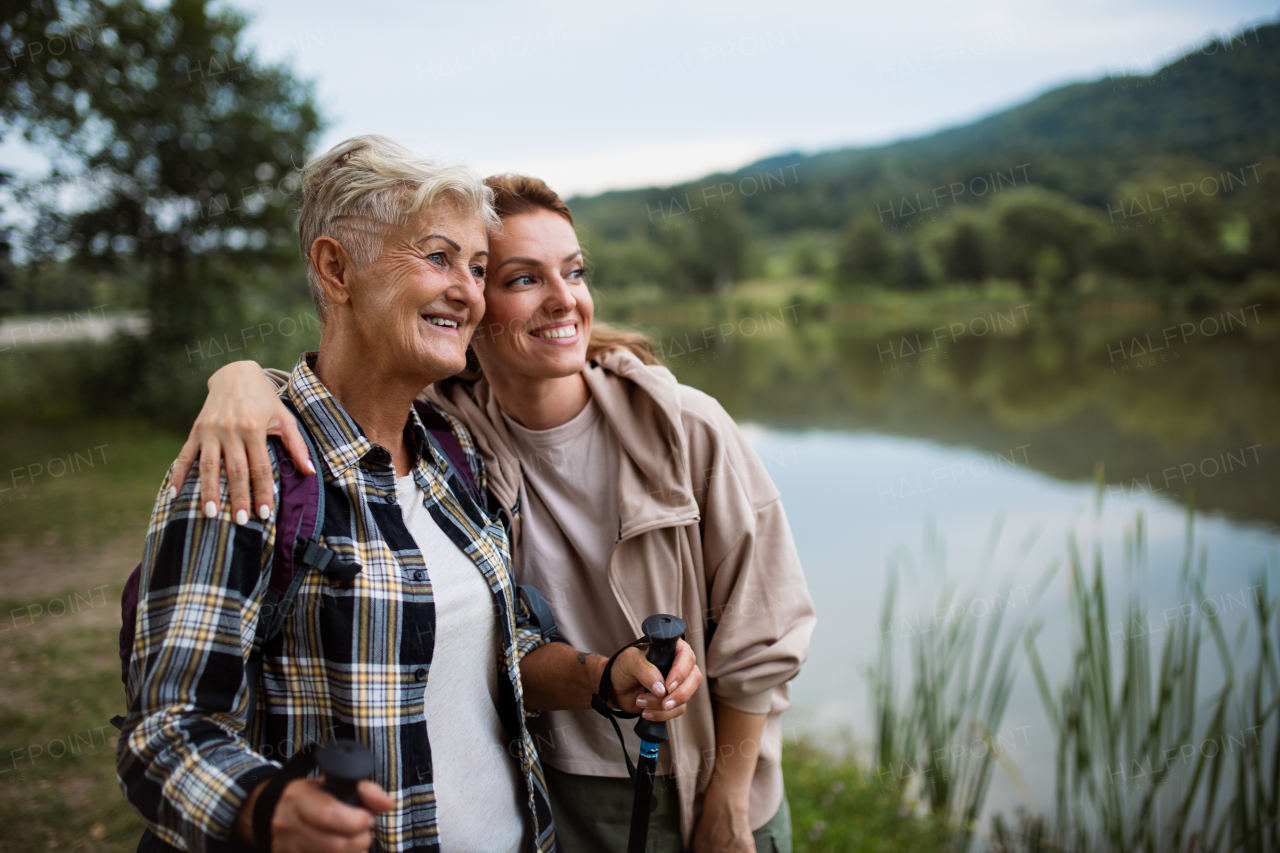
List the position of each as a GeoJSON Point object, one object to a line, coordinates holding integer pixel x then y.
{"type": "Point", "coordinates": [330, 564]}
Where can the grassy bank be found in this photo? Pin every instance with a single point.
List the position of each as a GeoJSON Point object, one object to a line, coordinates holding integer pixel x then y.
{"type": "Point", "coordinates": [72, 520]}
{"type": "Point", "coordinates": [837, 804]}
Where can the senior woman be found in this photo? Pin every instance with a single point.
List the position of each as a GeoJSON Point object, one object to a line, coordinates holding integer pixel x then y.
{"type": "Point", "coordinates": [630, 494]}
{"type": "Point", "coordinates": [425, 656]}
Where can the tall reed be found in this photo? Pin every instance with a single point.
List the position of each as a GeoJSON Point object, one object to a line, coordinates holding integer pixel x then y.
{"type": "Point", "coordinates": [960, 678]}
{"type": "Point", "coordinates": [1152, 754]}
{"type": "Point", "coordinates": [1145, 760]}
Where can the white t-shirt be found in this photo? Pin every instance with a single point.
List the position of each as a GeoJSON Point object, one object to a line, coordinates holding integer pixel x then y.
{"type": "Point", "coordinates": [476, 779]}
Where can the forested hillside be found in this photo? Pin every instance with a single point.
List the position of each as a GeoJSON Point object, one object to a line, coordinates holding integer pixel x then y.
{"type": "Point", "coordinates": [940, 207]}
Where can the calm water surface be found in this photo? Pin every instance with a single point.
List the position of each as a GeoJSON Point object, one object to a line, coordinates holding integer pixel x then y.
{"type": "Point", "coordinates": [869, 446]}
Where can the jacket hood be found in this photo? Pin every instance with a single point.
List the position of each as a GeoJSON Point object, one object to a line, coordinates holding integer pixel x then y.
{"type": "Point", "coordinates": [642, 404]}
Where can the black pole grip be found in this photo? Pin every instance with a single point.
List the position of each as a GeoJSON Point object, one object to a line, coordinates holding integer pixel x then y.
{"type": "Point", "coordinates": [662, 631]}
{"type": "Point", "coordinates": [344, 763]}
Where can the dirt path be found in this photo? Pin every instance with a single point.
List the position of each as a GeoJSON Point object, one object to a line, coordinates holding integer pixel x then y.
{"type": "Point", "coordinates": [52, 585]}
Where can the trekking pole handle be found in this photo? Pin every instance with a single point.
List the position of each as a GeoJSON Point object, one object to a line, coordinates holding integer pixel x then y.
{"type": "Point", "coordinates": [344, 762]}
{"type": "Point", "coordinates": [662, 632]}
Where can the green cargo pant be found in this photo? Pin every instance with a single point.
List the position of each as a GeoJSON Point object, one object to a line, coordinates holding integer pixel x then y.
{"type": "Point", "coordinates": [593, 815]}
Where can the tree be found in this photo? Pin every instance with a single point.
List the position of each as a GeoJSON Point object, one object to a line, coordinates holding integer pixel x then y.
{"type": "Point", "coordinates": [866, 255]}
{"type": "Point", "coordinates": [964, 254]}
{"type": "Point", "coordinates": [1043, 237]}
{"type": "Point", "coordinates": [1264, 221]}
{"type": "Point", "coordinates": [909, 271]}
{"type": "Point", "coordinates": [806, 257]}
{"type": "Point", "coordinates": [707, 250]}
{"type": "Point", "coordinates": [178, 144]}
{"type": "Point", "coordinates": [8, 295]}
{"type": "Point", "coordinates": [722, 245]}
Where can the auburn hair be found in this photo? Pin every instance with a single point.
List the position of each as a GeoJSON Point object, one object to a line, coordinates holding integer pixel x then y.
{"type": "Point", "coordinates": [517, 194]}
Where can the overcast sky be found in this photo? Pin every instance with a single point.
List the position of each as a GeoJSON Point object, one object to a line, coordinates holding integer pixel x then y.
{"type": "Point", "coordinates": [593, 95]}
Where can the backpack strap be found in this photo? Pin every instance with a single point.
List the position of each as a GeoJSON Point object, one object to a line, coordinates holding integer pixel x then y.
{"type": "Point", "coordinates": [540, 613]}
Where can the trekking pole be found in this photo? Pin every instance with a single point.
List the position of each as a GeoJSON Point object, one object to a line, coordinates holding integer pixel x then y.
{"type": "Point", "coordinates": [661, 631]}
{"type": "Point", "coordinates": [344, 763]}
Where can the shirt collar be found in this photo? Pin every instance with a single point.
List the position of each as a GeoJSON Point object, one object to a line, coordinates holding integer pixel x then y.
{"type": "Point", "coordinates": [338, 438]}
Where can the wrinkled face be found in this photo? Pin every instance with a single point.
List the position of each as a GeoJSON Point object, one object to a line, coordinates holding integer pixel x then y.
{"type": "Point", "coordinates": [537, 307]}
{"type": "Point", "coordinates": [418, 303]}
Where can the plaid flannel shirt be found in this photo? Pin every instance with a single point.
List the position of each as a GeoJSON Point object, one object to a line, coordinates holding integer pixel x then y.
{"type": "Point", "coordinates": [349, 663]}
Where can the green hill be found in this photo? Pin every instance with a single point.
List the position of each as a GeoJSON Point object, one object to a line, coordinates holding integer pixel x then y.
{"type": "Point", "coordinates": [1210, 111]}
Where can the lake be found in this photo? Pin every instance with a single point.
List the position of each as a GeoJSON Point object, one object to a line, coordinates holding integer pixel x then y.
{"type": "Point", "coordinates": [876, 430]}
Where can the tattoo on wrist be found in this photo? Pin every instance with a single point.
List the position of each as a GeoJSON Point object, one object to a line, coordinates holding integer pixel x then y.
{"type": "Point", "coordinates": [582, 658]}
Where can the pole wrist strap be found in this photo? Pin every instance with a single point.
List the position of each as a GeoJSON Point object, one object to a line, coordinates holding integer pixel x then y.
{"type": "Point", "coordinates": [298, 766]}
{"type": "Point", "coordinates": [600, 703]}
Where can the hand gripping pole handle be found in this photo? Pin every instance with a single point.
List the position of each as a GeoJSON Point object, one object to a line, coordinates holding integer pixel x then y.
{"type": "Point", "coordinates": [344, 763]}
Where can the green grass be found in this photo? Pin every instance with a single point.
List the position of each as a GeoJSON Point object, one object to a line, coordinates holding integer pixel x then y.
{"type": "Point", "coordinates": [839, 805]}
{"type": "Point", "coordinates": [59, 673]}
{"type": "Point", "coordinates": [1123, 714]}
{"type": "Point", "coordinates": [70, 684]}
{"type": "Point", "coordinates": [67, 687]}
{"type": "Point", "coordinates": [70, 501]}
{"type": "Point", "coordinates": [959, 676]}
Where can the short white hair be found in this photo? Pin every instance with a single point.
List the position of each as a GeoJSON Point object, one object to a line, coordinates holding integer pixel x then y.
{"type": "Point", "coordinates": [359, 187]}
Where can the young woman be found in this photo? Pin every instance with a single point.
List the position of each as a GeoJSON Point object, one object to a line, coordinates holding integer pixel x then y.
{"type": "Point", "coordinates": [629, 494]}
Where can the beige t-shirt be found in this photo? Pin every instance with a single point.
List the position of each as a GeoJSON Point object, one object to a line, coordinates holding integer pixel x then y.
{"type": "Point", "coordinates": [477, 781]}
{"type": "Point", "coordinates": [569, 504]}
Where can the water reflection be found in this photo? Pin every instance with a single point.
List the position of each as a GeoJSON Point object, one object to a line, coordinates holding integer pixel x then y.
{"type": "Point", "coordinates": [1198, 414]}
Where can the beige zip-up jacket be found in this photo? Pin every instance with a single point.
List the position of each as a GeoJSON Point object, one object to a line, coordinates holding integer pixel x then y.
{"type": "Point", "coordinates": [703, 535]}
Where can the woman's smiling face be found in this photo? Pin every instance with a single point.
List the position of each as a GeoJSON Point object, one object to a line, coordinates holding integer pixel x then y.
{"type": "Point", "coordinates": [414, 307]}
{"type": "Point", "coordinates": [538, 310]}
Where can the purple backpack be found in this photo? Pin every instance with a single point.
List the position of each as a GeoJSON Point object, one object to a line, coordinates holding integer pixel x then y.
{"type": "Point", "coordinates": [299, 516]}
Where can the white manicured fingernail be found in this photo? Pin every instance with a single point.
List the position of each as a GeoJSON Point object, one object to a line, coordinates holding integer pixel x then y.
{"type": "Point", "coordinates": [264, 512]}
{"type": "Point", "coordinates": [657, 688]}
{"type": "Point", "coordinates": [674, 685]}
{"type": "Point", "coordinates": [242, 516]}
{"type": "Point", "coordinates": [640, 701]}
{"type": "Point", "coordinates": [210, 510]}
{"type": "Point", "coordinates": [669, 704]}
{"type": "Point", "coordinates": [173, 493]}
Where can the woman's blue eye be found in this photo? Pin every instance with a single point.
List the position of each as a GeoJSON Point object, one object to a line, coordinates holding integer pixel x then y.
{"type": "Point", "coordinates": [576, 273]}
{"type": "Point", "coordinates": [436, 258]}
{"type": "Point", "coordinates": [477, 271]}
{"type": "Point", "coordinates": [522, 279]}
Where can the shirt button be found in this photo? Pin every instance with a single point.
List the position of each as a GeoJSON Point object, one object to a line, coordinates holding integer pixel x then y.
{"type": "Point", "coordinates": [418, 576]}
{"type": "Point", "coordinates": [420, 673]}
{"type": "Point", "coordinates": [391, 499]}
